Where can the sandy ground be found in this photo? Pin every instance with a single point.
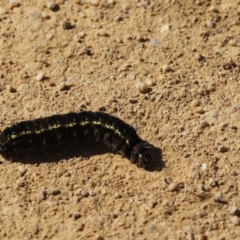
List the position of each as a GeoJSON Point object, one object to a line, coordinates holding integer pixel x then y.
{"type": "Point", "coordinates": [71, 56]}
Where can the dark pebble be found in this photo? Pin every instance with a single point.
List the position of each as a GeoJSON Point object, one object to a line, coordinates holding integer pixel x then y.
{"type": "Point", "coordinates": [54, 7]}
{"type": "Point", "coordinates": [76, 215]}
{"type": "Point", "coordinates": [67, 25]}
{"type": "Point", "coordinates": [87, 51]}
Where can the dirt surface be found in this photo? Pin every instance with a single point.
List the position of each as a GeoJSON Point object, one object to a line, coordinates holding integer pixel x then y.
{"type": "Point", "coordinates": [170, 69]}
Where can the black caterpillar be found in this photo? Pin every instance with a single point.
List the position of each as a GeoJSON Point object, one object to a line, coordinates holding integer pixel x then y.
{"type": "Point", "coordinates": [87, 127]}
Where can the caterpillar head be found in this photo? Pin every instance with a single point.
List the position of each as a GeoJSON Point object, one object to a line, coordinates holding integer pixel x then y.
{"type": "Point", "coordinates": [141, 155]}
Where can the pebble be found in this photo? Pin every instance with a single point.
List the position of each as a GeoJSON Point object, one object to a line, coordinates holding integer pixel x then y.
{"type": "Point", "coordinates": [82, 34]}
{"type": "Point", "coordinates": [87, 51]}
{"type": "Point", "coordinates": [14, 4]}
{"type": "Point", "coordinates": [41, 196]}
{"type": "Point", "coordinates": [117, 195]}
{"type": "Point", "coordinates": [166, 68]}
{"type": "Point", "coordinates": [233, 127]}
{"type": "Point", "coordinates": [201, 188]}
{"type": "Point", "coordinates": [39, 76]}
{"type": "Point", "coordinates": [10, 89]}
{"type": "Point", "coordinates": [213, 182]}
{"type": "Point", "coordinates": [50, 36]}
{"type": "Point", "coordinates": [77, 38]}
{"type": "Point", "coordinates": [199, 57]}
{"type": "Point", "coordinates": [195, 103]}
{"type": "Point", "coordinates": [229, 65]}
{"type": "Point", "coordinates": [200, 110]}
{"type": "Point", "coordinates": [67, 25]}
{"type": "Point", "coordinates": [203, 195]}
{"type": "Point", "coordinates": [150, 82]}
{"type": "Point", "coordinates": [133, 101]}
{"type": "Point", "coordinates": [209, 24]}
{"type": "Point", "coordinates": [222, 149]}
{"type": "Point", "coordinates": [205, 124]}
{"type": "Point", "coordinates": [235, 220]}
{"type": "Point", "coordinates": [165, 28]}
{"type": "Point", "coordinates": [131, 76]}
{"type": "Point", "coordinates": [76, 215]}
{"type": "Point", "coordinates": [186, 155]}
{"type": "Point", "coordinates": [103, 33]}
{"type": "Point", "coordinates": [223, 126]}
{"type": "Point", "coordinates": [53, 191]}
{"type": "Point", "coordinates": [118, 18]}
{"type": "Point", "coordinates": [53, 7]}
{"type": "Point", "coordinates": [218, 198]}
{"type": "Point", "coordinates": [102, 109]}
{"type": "Point", "coordinates": [232, 42]}
{"type": "Point", "coordinates": [238, 44]}
{"type": "Point", "coordinates": [92, 194]}
{"type": "Point", "coordinates": [233, 210]}
{"type": "Point", "coordinates": [204, 166]}
{"type": "Point", "coordinates": [213, 9]}
{"type": "Point", "coordinates": [81, 227]}
{"type": "Point", "coordinates": [141, 38]}
{"type": "Point", "coordinates": [63, 86]}
{"type": "Point", "coordinates": [142, 87]}
{"type": "Point", "coordinates": [22, 170]}
{"type": "Point", "coordinates": [84, 193]}
{"type": "Point", "coordinates": [2, 10]}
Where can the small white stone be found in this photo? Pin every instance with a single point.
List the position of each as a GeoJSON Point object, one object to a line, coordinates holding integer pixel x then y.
{"type": "Point", "coordinates": [195, 103]}
{"type": "Point", "coordinates": [142, 87]}
{"type": "Point", "coordinates": [14, 4]}
{"type": "Point", "coordinates": [41, 196]}
{"type": "Point", "coordinates": [118, 18]}
{"type": "Point", "coordinates": [2, 10]}
{"type": "Point", "coordinates": [22, 170]}
{"type": "Point", "coordinates": [209, 23]}
{"type": "Point", "coordinates": [84, 193]}
{"type": "Point", "coordinates": [232, 42]}
{"type": "Point", "coordinates": [204, 166]}
{"type": "Point", "coordinates": [233, 210]}
{"type": "Point", "coordinates": [103, 33]}
{"type": "Point", "coordinates": [62, 86]}
{"type": "Point", "coordinates": [82, 34]}
{"type": "Point", "coordinates": [150, 82]}
{"type": "Point", "coordinates": [165, 28]}
{"type": "Point", "coordinates": [39, 76]}
{"type": "Point", "coordinates": [235, 220]}
{"type": "Point", "coordinates": [166, 68]}
{"type": "Point", "coordinates": [131, 76]}
{"type": "Point", "coordinates": [49, 36]}
{"type": "Point", "coordinates": [76, 38]}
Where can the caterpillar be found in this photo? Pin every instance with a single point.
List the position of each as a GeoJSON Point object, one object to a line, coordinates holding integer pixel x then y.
{"type": "Point", "coordinates": [58, 130]}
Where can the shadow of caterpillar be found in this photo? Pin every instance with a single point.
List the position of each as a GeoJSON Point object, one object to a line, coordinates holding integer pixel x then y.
{"type": "Point", "coordinates": [74, 128]}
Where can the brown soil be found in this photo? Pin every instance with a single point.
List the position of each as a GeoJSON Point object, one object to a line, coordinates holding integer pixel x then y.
{"type": "Point", "coordinates": [92, 57]}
